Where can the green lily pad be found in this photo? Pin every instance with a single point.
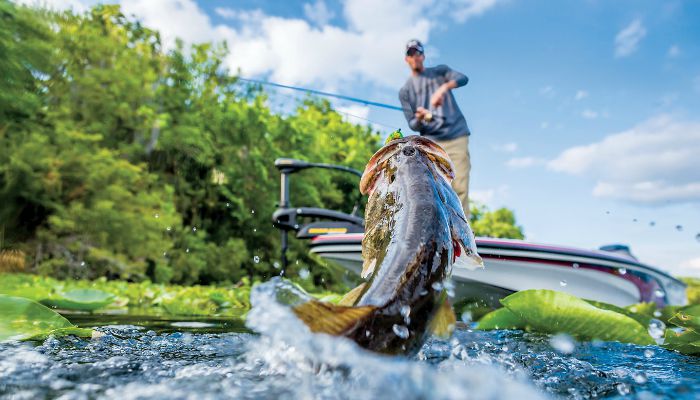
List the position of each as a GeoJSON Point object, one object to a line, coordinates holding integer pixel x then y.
{"type": "Point", "coordinates": [80, 299]}
{"type": "Point", "coordinates": [628, 311]}
{"type": "Point", "coordinates": [687, 317]}
{"type": "Point", "coordinates": [687, 342]}
{"type": "Point", "coordinates": [502, 318]}
{"type": "Point", "coordinates": [548, 311]}
{"type": "Point", "coordinates": [24, 319]}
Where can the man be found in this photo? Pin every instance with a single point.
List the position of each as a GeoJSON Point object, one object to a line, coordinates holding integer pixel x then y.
{"type": "Point", "coordinates": [431, 109]}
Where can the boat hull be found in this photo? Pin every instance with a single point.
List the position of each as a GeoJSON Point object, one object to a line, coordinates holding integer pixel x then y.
{"type": "Point", "coordinates": [512, 266]}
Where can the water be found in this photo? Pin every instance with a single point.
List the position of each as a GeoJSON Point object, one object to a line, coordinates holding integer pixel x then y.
{"type": "Point", "coordinates": [285, 361]}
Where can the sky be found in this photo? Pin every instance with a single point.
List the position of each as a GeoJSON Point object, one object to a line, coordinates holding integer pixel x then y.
{"type": "Point", "coordinates": [584, 114]}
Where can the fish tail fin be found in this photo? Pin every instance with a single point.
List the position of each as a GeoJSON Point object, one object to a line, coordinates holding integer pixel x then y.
{"type": "Point", "coordinates": [351, 297]}
{"type": "Point", "coordinates": [444, 320]}
{"type": "Point", "coordinates": [322, 317]}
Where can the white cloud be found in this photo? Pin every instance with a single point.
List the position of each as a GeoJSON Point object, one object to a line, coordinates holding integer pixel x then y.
{"type": "Point", "coordinates": [318, 13]}
{"type": "Point", "coordinates": [509, 147]}
{"type": "Point", "coordinates": [627, 40]}
{"type": "Point", "coordinates": [689, 267]}
{"type": "Point", "coordinates": [544, 125]}
{"type": "Point", "coordinates": [581, 94]}
{"type": "Point", "coordinates": [488, 196]}
{"type": "Point", "coordinates": [655, 162]}
{"type": "Point", "coordinates": [367, 46]}
{"type": "Point", "coordinates": [354, 113]}
{"type": "Point", "coordinates": [524, 162]}
{"type": "Point", "coordinates": [674, 51]}
{"type": "Point", "coordinates": [589, 114]}
{"type": "Point", "coordinates": [75, 5]}
{"type": "Point", "coordinates": [547, 91]}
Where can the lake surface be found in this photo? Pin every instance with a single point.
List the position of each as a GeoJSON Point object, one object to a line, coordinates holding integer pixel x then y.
{"type": "Point", "coordinates": [209, 359]}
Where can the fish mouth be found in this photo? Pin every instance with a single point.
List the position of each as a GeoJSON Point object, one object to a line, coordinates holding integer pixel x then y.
{"type": "Point", "coordinates": [408, 146]}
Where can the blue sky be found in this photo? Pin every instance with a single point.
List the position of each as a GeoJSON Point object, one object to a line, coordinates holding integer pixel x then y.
{"type": "Point", "coordinates": [584, 113]}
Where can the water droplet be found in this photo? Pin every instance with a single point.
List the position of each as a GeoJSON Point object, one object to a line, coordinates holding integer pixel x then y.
{"type": "Point", "coordinates": [299, 210]}
{"type": "Point", "coordinates": [562, 283]}
{"type": "Point", "coordinates": [304, 273]}
{"type": "Point", "coordinates": [156, 216]}
{"type": "Point", "coordinates": [276, 265]}
{"type": "Point", "coordinates": [423, 292]}
{"type": "Point", "coordinates": [449, 287]}
{"type": "Point", "coordinates": [648, 353]}
{"type": "Point", "coordinates": [697, 237]}
{"type": "Point", "coordinates": [228, 204]}
{"type": "Point", "coordinates": [639, 377]}
{"type": "Point", "coordinates": [562, 343]}
{"type": "Point", "coordinates": [187, 250]}
{"type": "Point", "coordinates": [466, 317]}
{"type": "Point", "coordinates": [406, 312]}
{"type": "Point", "coordinates": [437, 286]}
{"type": "Point", "coordinates": [623, 388]}
{"type": "Point", "coordinates": [296, 262]}
{"type": "Point", "coordinates": [368, 333]}
{"type": "Point", "coordinates": [634, 219]}
{"type": "Point", "coordinates": [575, 265]}
{"type": "Point", "coordinates": [657, 313]}
{"type": "Point", "coordinates": [400, 331]}
{"type": "Point", "coordinates": [255, 229]}
{"type": "Point", "coordinates": [607, 212]}
{"type": "Point", "coordinates": [165, 253]}
{"type": "Point", "coordinates": [170, 228]}
{"type": "Point", "coordinates": [652, 223]}
{"type": "Point", "coordinates": [679, 228]}
{"type": "Point", "coordinates": [659, 293]}
{"type": "Point", "coordinates": [82, 263]}
{"type": "Point", "coordinates": [256, 259]}
{"type": "Point", "coordinates": [656, 330]}
{"type": "Point", "coordinates": [252, 211]}
{"type": "Point", "coordinates": [194, 229]}
{"type": "Point", "coordinates": [622, 271]}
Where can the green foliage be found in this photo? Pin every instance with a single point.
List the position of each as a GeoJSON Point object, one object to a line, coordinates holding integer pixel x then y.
{"type": "Point", "coordinates": [80, 299]}
{"type": "Point", "coordinates": [497, 224]}
{"type": "Point", "coordinates": [126, 161]}
{"type": "Point", "coordinates": [693, 289]}
{"type": "Point", "coordinates": [25, 319]}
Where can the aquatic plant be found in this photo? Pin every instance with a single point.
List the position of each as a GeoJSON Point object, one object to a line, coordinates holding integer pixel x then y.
{"type": "Point", "coordinates": [80, 299]}
{"type": "Point", "coordinates": [24, 319]}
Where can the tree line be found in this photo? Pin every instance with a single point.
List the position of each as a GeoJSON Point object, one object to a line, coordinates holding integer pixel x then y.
{"type": "Point", "coordinates": [122, 159]}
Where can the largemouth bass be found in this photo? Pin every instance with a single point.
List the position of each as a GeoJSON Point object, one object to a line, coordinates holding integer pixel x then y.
{"type": "Point", "coordinates": [415, 231]}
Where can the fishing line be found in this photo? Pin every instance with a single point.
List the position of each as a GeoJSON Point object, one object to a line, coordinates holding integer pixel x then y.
{"type": "Point", "coordinates": [298, 99]}
{"type": "Point", "coordinates": [318, 92]}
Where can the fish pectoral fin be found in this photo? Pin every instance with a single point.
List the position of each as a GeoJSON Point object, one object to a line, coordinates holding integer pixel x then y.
{"type": "Point", "coordinates": [444, 320]}
{"type": "Point", "coordinates": [351, 297]}
{"type": "Point", "coordinates": [466, 258]}
{"type": "Point", "coordinates": [322, 317]}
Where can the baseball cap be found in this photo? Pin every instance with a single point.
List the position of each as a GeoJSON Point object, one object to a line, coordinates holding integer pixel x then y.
{"type": "Point", "coordinates": [414, 44]}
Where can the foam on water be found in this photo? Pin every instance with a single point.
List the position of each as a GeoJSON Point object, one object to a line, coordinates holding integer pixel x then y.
{"type": "Point", "coordinates": [286, 361]}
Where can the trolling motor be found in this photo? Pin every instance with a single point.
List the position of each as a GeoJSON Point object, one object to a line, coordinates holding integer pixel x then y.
{"type": "Point", "coordinates": [286, 218]}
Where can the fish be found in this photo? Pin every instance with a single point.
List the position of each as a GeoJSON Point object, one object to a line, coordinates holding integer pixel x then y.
{"type": "Point", "coordinates": [415, 232]}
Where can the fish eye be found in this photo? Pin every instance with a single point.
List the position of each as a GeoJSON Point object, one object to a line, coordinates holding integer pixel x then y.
{"type": "Point", "coordinates": [409, 151]}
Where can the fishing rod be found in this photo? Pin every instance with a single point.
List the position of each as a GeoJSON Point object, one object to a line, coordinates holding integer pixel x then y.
{"type": "Point", "coordinates": [318, 92]}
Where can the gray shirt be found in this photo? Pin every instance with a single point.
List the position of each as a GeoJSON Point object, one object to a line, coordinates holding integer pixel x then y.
{"type": "Point", "coordinates": [448, 121]}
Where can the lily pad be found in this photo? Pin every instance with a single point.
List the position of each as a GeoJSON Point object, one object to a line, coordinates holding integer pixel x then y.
{"type": "Point", "coordinates": [687, 342]}
{"type": "Point", "coordinates": [548, 311]}
{"type": "Point", "coordinates": [628, 311]}
{"type": "Point", "coordinates": [502, 318]}
{"type": "Point", "coordinates": [80, 299]}
{"type": "Point", "coordinates": [24, 319]}
{"type": "Point", "coordinates": [687, 317]}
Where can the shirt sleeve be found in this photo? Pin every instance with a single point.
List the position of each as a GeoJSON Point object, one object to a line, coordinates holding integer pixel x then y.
{"type": "Point", "coordinates": [452, 75]}
{"type": "Point", "coordinates": [409, 111]}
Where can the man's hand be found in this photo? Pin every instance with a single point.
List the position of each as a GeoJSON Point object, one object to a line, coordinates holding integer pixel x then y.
{"type": "Point", "coordinates": [421, 113]}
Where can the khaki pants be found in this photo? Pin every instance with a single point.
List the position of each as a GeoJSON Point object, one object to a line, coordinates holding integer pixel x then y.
{"type": "Point", "coordinates": [458, 150]}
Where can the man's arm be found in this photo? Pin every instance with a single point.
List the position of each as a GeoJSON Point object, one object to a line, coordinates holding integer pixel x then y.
{"type": "Point", "coordinates": [454, 80]}
{"type": "Point", "coordinates": [409, 112]}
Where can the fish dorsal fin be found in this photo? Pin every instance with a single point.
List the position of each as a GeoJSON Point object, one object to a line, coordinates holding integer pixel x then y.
{"type": "Point", "coordinates": [351, 297]}
{"type": "Point", "coordinates": [322, 317]}
{"type": "Point", "coordinates": [444, 320]}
